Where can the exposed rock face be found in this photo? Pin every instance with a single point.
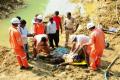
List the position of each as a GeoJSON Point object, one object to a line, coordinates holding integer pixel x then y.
{"type": "Point", "coordinates": [7, 7]}
{"type": "Point", "coordinates": [105, 12]}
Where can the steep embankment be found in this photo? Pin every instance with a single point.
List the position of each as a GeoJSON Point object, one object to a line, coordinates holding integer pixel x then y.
{"type": "Point", "coordinates": [7, 7]}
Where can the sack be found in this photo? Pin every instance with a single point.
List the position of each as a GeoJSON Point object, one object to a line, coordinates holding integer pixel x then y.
{"type": "Point", "coordinates": [59, 52]}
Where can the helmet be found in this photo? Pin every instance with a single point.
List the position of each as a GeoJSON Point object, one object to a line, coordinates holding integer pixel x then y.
{"type": "Point", "coordinates": [90, 25]}
{"type": "Point", "coordinates": [15, 20]}
{"type": "Point", "coordinates": [39, 17]}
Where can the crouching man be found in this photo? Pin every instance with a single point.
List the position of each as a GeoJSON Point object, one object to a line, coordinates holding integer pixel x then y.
{"type": "Point", "coordinates": [41, 45]}
{"type": "Point", "coordinates": [77, 53]}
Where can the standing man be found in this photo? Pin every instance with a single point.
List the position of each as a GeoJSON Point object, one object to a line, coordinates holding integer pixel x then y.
{"type": "Point", "coordinates": [97, 43]}
{"type": "Point", "coordinates": [25, 34]}
{"type": "Point", "coordinates": [57, 19]}
{"type": "Point", "coordinates": [51, 32]}
{"type": "Point", "coordinates": [69, 27]}
{"type": "Point", "coordinates": [39, 27]}
{"type": "Point", "coordinates": [17, 44]}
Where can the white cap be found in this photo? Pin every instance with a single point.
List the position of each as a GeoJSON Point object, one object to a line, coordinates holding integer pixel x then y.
{"type": "Point", "coordinates": [72, 37]}
{"type": "Point", "coordinates": [15, 20]}
{"type": "Point", "coordinates": [90, 25]}
{"type": "Point", "coordinates": [39, 17]}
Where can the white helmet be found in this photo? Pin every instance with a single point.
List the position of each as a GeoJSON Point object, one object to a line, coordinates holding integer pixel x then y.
{"type": "Point", "coordinates": [39, 17]}
{"type": "Point", "coordinates": [90, 25]}
{"type": "Point", "coordinates": [72, 37]}
{"type": "Point", "coordinates": [15, 20]}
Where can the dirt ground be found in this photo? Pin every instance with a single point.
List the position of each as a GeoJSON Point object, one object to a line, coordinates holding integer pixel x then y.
{"type": "Point", "coordinates": [9, 68]}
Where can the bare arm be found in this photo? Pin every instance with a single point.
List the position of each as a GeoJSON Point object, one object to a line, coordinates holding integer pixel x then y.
{"type": "Point", "coordinates": [73, 47]}
{"type": "Point", "coordinates": [91, 41]}
{"type": "Point", "coordinates": [76, 49]}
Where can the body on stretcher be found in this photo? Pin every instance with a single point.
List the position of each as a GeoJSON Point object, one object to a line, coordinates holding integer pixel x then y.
{"type": "Point", "coordinates": [75, 58]}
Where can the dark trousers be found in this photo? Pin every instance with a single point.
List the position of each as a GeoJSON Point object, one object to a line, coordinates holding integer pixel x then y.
{"type": "Point", "coordinates": [26, 50]}
{"type": "Point", "coordinates": [52, 37]}
{"type": "Point", "coordinates": [57, 36]}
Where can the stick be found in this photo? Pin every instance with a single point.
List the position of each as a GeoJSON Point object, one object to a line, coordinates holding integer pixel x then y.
{"type": "Point", "coordinates": [109, 67]}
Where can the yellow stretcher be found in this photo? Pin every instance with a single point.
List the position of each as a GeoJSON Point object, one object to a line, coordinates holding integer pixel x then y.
{"type": "Point", "coordinates": [82, 63]}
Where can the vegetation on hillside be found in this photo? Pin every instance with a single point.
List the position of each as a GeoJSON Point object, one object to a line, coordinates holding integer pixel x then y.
{"type": "Point", "coordinates": [7, 7]}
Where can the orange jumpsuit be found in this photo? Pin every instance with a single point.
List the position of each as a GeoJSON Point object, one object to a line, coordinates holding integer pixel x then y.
{"type": "Point", "coordinates": [97, 47]}
{"type": "Point", "coordinates": [17, 45]}
{"type": "Point", "coordinates": [39, 28]}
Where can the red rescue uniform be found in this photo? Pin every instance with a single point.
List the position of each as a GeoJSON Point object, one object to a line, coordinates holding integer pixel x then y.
{"type": "Point", "coordinates": [17, 45]}
{"type": "Point", "coordinates": [97, 47]}
{"type": "Point", "coordinates": [39, 28]}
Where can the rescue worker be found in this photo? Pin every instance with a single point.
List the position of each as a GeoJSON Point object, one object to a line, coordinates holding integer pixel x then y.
{"type": "Point", "coordinates": [69, 24]}
{"type": "Point", "coordinates": [17, 44]}
{"type": "Point", "coordinates": [57, 19]}
{"type": "Point", "coordinates": [34, 21]}
{"type": "Point", "coordinates": [39, 27]}
{"type": "Point", "coordinates": [77, 41]}
{"type": "Point", "coordinates": [41, 45]}
{"type": "Point", "coordinates": [77, 49]}
{"type": "Point", "coordinates": [97, 43]}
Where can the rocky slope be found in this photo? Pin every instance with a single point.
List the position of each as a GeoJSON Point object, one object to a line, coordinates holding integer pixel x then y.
{"type": "Point", "coordinates": [8, 6]}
